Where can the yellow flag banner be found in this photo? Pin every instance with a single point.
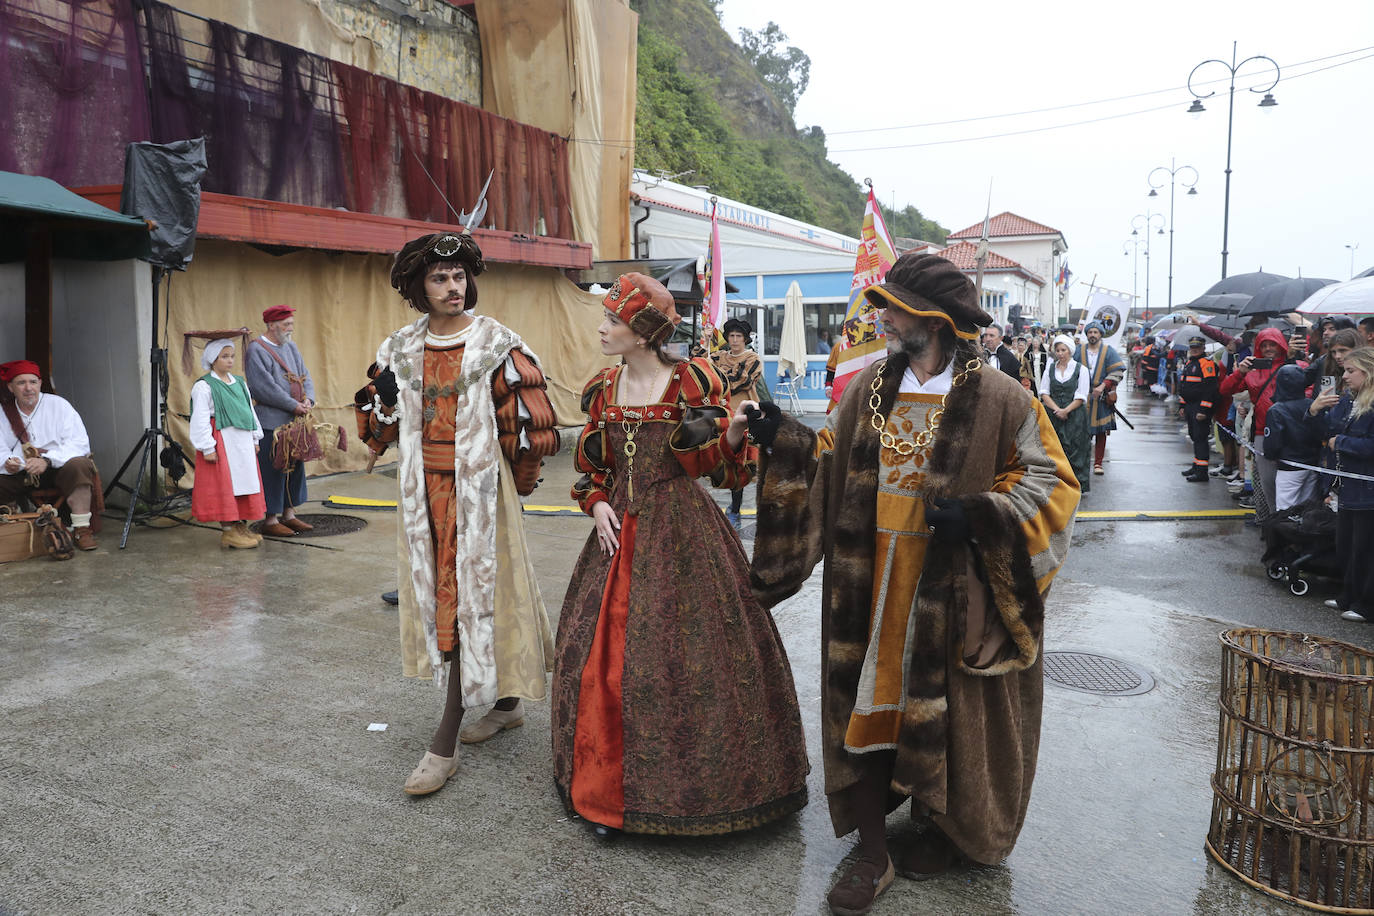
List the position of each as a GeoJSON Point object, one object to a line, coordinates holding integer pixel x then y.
{"type": "Point", "coordinates": [861, 339]}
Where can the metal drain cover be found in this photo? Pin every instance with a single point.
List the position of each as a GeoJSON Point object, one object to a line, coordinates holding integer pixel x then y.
{"type": "Point", "coordinates": [1096, 674]}
{"type": "Point", "coordinates": [326, 525]}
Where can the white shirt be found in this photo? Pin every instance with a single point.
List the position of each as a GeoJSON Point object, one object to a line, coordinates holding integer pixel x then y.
{"type": "Point", "coordinates": [1081, 392]}
{"type": "Point", "coordinates": [939, 383]}
{"type": "Point", "coordinates": [54, 427]}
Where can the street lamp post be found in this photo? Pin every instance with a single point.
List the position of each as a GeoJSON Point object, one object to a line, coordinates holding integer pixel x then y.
{"type": "Point", "coordinates": [1133, 244]}
{"type": "Point", "coordinates": [1267, 103]}
{"type": "Point", "coordinates": [1352, 258]}
{"type": "Point", "coordinates": [1172, 171]}
{"type": "Point", "coordinates": [1146, 221]}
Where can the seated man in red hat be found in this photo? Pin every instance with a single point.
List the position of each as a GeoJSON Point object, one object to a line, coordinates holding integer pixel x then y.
{"type": "Point", "coordinates": [45, 446]}
{"type": "Point", "coordinates": [282, 390]}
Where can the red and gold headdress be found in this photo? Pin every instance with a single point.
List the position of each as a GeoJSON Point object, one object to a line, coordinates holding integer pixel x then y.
{"type": "Point", "coordinates": [645, 305]}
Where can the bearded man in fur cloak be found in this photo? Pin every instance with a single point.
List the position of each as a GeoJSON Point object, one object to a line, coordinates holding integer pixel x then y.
{"type": "Point", "coordinates": [942, 504]}
{"type": "Point", "coordinates": [465, 401]}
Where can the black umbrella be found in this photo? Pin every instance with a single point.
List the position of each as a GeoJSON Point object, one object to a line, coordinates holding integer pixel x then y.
{"type": "Point", "coordinates": [1284, 296]}
{"type": "Point", "coordinates": [1249, 284]}
{"type": "Point", "coordinates": [1228, 323]}
{"type": "Point", "coordinates": [1219, 303]}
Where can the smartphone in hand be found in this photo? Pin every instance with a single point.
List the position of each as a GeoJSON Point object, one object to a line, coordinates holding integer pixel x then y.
{"type": "Point", "coordinates": [1328, 384]}
{"type": "Point", "coordinates": [1261, 362]}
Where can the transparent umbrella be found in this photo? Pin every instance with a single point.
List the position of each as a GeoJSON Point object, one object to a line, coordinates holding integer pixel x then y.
{"type": "Point", "coordinates": [1353, 297]}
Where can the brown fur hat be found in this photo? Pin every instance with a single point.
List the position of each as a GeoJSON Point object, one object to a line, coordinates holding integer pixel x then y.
{"type": "Point", "coordinates": [930, 286]}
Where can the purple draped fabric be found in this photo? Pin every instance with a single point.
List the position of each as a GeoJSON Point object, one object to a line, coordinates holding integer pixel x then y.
{"type": "Point", "coordinates": [71, 89]}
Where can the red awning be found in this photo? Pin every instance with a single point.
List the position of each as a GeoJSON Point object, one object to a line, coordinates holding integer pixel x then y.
{"type": "Point", "coordinates": [268, 222]}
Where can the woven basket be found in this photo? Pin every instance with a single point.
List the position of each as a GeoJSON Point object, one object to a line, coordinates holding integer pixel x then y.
{"type": "Point", "coordinates": [1293, 792]}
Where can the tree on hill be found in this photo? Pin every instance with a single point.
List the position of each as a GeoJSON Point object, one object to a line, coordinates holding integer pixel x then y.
{"type": "Point", "coordinates": [785, 70]}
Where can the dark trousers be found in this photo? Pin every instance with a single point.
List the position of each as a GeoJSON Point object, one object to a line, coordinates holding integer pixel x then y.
{"type": "Point", "coordinates": [1200, 431]}
{"type": "Point", "coordinates": [279, 490]}
{"type": "Point", "coordinates": [1354, 547]}
{"type": "Point", "coordinates": [77, 472]}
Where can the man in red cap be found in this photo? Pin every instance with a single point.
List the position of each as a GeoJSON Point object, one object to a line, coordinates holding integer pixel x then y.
{"type": "Point", "coordinates": [44, 444]}
{"type": "Point", "coordinates": [282, 390]}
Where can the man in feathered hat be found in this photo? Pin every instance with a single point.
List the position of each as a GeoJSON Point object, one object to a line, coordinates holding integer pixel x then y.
{"type": "Point", "coordinates": [941, 502]}
{"type": "Point", "coordinates": [464, 401]}
{"type": "Point", "coordinates": [1106, 369]}
{"type": "Point", "coordinates": [44, 444]}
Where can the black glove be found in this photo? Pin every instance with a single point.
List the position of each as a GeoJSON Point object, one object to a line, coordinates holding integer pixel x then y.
{"type": "Point", "coordinates": [946, 519]}
{"type": "Point", "coordinates": [385, 383]}
{"type": "Point", "coordinates": [764, 421]}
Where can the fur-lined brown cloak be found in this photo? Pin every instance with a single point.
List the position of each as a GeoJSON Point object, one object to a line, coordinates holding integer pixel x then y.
{"type": "Point", "coordinates": [970, 726]}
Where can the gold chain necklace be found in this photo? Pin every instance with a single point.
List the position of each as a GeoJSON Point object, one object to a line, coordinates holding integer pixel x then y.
{"type": "Point", "coordinates": [925, 437]}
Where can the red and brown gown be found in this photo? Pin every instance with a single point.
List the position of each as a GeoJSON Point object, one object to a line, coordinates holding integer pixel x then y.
{"type": "Point", "coordinates": [674, 707]}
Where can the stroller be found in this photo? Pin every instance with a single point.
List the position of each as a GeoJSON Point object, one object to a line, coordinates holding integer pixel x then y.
{"type": "Point", "coordinates": [1301, 541]}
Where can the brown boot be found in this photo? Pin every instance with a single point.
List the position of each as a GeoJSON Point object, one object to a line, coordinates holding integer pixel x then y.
{"type": "Point", "coordinates": [84, 538]}
{"type": "Point", "coordinates": [244, 531]}
{"type": "Point", "coordinates": [863, 883]}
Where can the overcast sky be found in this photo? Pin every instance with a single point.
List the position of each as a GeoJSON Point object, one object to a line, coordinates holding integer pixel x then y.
{"type": "Point", "coordinates": [1302, 186]}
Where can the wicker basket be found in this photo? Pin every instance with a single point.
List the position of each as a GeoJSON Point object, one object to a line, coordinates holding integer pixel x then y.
{"type": "Point", "coordinates": [1293, 792]}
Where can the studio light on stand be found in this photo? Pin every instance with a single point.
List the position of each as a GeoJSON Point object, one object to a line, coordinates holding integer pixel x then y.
{"type": "Point", "coordinates": [161, 187]}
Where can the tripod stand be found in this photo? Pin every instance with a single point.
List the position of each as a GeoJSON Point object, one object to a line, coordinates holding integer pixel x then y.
{"type": "Point", "coordinates": [146, 449]}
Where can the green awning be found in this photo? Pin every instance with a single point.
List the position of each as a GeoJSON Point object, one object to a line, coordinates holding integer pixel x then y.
{"type": "Point", "coordinates": [81, 230]}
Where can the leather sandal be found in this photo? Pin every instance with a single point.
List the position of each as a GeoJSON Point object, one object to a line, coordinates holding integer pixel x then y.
{"type": "Point", "coordinates": [297, 524]}
{"type": "Point", "coordinates": [932, 853]}
{"type": "Point", "coordinates": [493, 723]}
{"type": "Point", "coordinates": [431, 773]}
{"type": "Point", "coordinates": [863, 883]}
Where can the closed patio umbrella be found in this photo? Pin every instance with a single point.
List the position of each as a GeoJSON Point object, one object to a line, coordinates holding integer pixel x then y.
{"type": "Point", "coordinates": [792, 349]}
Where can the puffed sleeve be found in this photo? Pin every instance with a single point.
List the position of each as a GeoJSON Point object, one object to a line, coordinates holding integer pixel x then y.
{"type": "Point", "coordinates": [699, 441]}
{"type": "Point", "coordinates": [525, 422]}
{"type": "Point", "coordinates": [592, 458]}
{"type": "Point", "coordinates": [377, 426]}
{"type": "Point", "coordinates": [202, 409]}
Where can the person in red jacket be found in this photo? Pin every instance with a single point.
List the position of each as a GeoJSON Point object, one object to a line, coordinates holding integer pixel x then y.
{"type": "Point", "coordinates": [1256, 375]}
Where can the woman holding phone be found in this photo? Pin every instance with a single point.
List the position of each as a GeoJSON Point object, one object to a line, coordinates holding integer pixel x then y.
{"type": "Point", "coordinates": [1347, 423]}
{"type": "Point", "coordinates": [1256, 375]}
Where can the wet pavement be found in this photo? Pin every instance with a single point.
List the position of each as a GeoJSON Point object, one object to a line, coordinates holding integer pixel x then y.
{"type": "Point", "coordinates": [186, 731]}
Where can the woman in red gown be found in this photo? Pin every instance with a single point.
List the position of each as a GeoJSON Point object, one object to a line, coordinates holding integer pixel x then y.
{"type": "Point", "coordinates": [674, 707]}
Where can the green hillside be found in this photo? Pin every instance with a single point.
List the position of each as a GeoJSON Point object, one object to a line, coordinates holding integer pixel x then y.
{"type": "Point", "coordinates": [704, 110]}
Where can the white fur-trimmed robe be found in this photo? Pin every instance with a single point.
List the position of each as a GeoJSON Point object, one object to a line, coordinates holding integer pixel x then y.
{"type": "Point", "coordinates": [485, 493]}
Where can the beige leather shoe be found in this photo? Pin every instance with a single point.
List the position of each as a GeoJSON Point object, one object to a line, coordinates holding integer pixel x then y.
{"type": "Point", "coordinates": [493, 723]}
{"type": "Point", "coordinates": [229, 537]}
{"type": "Point", "coordinates": [242, 529]}
{"type": "Point", "coordinates": [431, 774]}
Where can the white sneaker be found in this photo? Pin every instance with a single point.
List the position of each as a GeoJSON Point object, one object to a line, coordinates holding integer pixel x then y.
{"type": "Point", "coordinates": [1331, 603]}
{"type": "Point", "coordinates": [1354, 615]}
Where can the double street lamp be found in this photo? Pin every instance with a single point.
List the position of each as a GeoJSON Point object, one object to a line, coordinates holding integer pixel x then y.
{"type": "Point", "coordinates": [1267, 103]}
{"type": "Point", "coordinates": [1172, 171]}
{"type": "Point", "coordinates": [1132, 246]}
{"type": "Point", "coordinates": [1146, 221]}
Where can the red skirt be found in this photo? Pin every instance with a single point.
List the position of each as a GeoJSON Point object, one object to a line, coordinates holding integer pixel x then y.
{"type": "Point", "coordinates": [212, 496]}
